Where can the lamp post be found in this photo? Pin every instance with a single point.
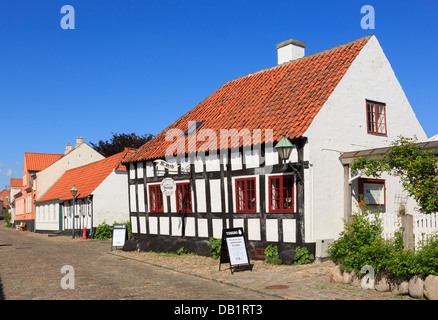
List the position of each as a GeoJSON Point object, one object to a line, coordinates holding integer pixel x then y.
{"type": "Point", "coordinates": [284, 148]}
{"type": "Point", "coordinates": [74, 192]}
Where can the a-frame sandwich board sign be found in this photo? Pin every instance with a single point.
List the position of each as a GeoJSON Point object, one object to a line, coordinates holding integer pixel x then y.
{"type": "Point", "coordinates": [234, 250]}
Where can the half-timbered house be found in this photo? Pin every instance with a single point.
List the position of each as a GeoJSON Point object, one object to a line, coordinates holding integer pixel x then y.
{"type": "Point", "coordinates": [218, 166]}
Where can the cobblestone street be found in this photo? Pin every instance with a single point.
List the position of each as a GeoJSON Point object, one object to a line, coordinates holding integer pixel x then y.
{"type": "Point", "coordinates": [30, 268]}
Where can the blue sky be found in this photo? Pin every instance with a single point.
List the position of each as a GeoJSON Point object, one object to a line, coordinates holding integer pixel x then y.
{"type": "Point", "coordinates": [136, 66]}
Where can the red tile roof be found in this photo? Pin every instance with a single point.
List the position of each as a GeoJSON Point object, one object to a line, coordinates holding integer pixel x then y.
{"type": "Point", "coordinates": [285, 98]}
{"type": "Point", "coordinates": [3, 195]}
{"type": "Point", "coordinates": [40, 161]}
{"type": "Point", "coordinates": [86, 178]}
{"type": "Point", "coordinates": [16, 183]}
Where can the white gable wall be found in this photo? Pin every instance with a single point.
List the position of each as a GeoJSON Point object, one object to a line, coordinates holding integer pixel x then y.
{"type": "Point", "coordinates": [79, 156]}
{"type": "Point", "coordinates": [341, 125]}
{"type": "Point", "coordinates": [110, 199]}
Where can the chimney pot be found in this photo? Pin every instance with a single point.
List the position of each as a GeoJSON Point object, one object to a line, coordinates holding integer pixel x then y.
{"type": "Point", "coordinates": [79, 141]}
{"type": "Point", "coordinates": [68, 148]}
{"type": "Point", "coordinates": [290, 50]}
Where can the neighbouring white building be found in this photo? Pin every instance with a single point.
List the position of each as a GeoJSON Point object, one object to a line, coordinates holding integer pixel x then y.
{"type": "Point", "coordinates": [80, 155]}
{"type": "Point", "coordinates": [224, 167]}
{"type": "Point", "coordinates": [102, 195]}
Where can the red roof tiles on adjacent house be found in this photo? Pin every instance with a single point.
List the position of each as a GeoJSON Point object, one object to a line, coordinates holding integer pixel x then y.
{"type": "Point", "coordinates": [285, 98]}
{"type": "Point", "coordinates": [3, 195]}
{"type": "Point", "coordinates": [40, 161]}
{"type": "Point", "coordinates": [86, 178]}
{"type": "Point", "coordinates": [16, 183]}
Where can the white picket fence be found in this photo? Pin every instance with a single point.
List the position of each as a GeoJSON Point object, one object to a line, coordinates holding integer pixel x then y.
{"type": "Point", "coordinates": [391, 222]}
{"type": "Point", "coordinates": [424, 225]}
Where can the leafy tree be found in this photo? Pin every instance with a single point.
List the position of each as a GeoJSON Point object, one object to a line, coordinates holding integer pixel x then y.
{"type": "Point", "coordinates": [416, 168]}
{"type": "Point", "coordinates": [119, 142]}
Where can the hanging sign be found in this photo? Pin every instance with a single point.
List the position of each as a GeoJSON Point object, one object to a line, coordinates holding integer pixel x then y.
{"type": "Point", "coordinates": [233, 249]}
{"type": "Point", "coordinates": [168, 186]}
{"type": "Point", "coordinates": [166, 165]}
{"type": "Point", "coordinates": [120, 235]}
{"type": "Point", "coordinates": [172, 167]}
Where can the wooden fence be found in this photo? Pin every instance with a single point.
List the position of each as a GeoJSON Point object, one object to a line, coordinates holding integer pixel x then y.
{"type": "Point", "coordinates": [423, 226]}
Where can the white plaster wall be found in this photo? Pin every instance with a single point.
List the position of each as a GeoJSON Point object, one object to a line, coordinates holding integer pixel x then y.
{"type": "Point", "coordinates": [215, 190]}
{"type": "Point", "coordinates": [132, 198]}
{"type": "Point", "coordinates": [200, 195]}
{"type": "Point", "coordinates": [142, 223]}
{"type": "Point", "coordinates": [341, 125]}
{"type": "Point", "coordinates": [79, 156]}
{"type": "Point", "coordinates": [149, 169]}
{"type": "Point", "coordinates": [140, 170]}
{"type": "Point", "coordinates": [47, 216]}
{"type": "Point", "coordinates": [141, 202]}
{"type": "Point", "coordinates": [110, 199]}
{"type": "Point", "coordinates": [272, 230]}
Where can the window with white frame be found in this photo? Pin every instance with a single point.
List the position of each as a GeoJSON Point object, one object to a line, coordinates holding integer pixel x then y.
{"type": "Point", "coordinates": [376, 117]}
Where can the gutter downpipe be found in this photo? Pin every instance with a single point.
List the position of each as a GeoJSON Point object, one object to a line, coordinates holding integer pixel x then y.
{"type": "Point", "coordinates": [90, 201]}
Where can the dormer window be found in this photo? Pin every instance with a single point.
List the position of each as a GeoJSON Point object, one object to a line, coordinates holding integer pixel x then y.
{"type": "Point", "coordinates": [376, 117]}
{"type": "Point", "coordinates": [193, 126]}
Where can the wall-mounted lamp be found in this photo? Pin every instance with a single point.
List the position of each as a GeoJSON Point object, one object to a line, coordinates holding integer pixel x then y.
{"type": "Point", "coordinates": [284, 148]}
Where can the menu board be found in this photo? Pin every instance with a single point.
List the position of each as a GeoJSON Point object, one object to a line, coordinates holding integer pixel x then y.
{"type": "Point", "coordinates": [119, 235]}
{"type": "Point", "coordinates": [233, 249]}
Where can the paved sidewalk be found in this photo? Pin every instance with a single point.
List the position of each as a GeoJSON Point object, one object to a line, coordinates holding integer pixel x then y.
{"type": "Point", "coordinates": [304, 282]}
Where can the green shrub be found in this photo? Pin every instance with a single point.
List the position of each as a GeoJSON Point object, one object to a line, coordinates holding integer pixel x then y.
{"type": "Point", "coordinates": [7, 216]}
{"type": "Point", "coordinates": [360, 233]}
{"type": "Point", "coordinates": [182, 251]}
{"type": "Point", "coordinates": [103, 231]}
{"type": "Point", "coordinates": [215, 245]}
{"type": "Point", "coordinates": [272, 256]}
{"type": "Point", "coordinates": [362, 243]}
{"type": "Point", "coordinates": [302, 256]}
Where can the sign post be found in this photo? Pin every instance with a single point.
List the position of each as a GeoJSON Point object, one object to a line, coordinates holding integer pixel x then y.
{"type": "Point", "coordinates": [120, 235]}
{"type": "Point", "coordinates": [233, 249]}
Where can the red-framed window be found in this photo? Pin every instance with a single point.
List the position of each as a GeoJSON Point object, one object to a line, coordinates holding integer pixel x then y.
{"type": "Point", "coordinates": [376, 117]}
{"type": "Point", "coordinates": [246, 195]}
{"type": "Point", "coordinates": [183, 195]}
{"type": "Point", "coordinates": [372, 191]}
{"type": "Point", "coordinates": [281, 193]}
{"type": "Point", "coordinates": [155, 199]}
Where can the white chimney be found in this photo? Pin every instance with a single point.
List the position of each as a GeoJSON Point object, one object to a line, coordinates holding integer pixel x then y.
{"type": "Point", "coordinates": [290, 50]}
{"type": "Point", "coordinates": [79, 141]}
{"type": "Point", "coordinates": [68, 147]}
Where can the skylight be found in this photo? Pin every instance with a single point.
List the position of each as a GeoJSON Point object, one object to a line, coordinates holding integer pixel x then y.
{"type": "Point", "coordinates": [192, 128]}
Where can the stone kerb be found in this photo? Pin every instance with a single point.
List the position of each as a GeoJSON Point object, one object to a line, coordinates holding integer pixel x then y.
{"type": "Point", "coordinates": [416, 287]}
